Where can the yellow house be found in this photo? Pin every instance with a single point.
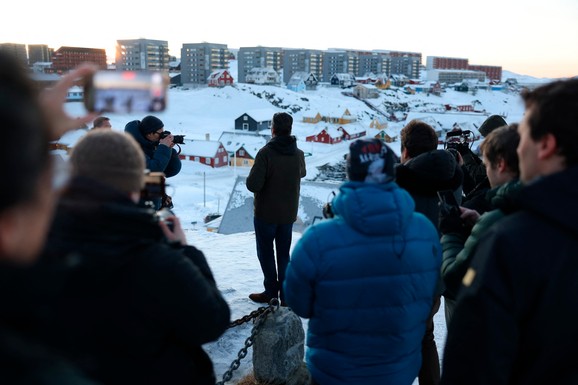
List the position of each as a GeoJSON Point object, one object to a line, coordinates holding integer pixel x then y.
{"type": "Point", "coordinates": [378, 123]}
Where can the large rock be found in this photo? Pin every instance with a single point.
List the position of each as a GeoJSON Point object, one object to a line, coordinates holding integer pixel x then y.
{"type": "Point", "coordinates": [278, 350]}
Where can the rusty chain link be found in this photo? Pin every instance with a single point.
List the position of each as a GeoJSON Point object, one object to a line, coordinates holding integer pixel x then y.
{"type": "Point", "coordinates": [260, 315]}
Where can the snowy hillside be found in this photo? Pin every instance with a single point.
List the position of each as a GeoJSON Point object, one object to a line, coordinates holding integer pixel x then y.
{"type": "Point", "coordinates": [199, 190]}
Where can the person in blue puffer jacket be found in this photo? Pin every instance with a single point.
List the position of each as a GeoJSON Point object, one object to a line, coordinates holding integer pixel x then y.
{"type": "Point", "coordinates": [366, 278]}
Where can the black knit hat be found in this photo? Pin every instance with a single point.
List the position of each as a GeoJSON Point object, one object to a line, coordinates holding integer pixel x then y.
{"type": "Point", "coordinates": [150, 124]}
{"type": "Point", "coordinates": [491, 123]}
{"type": "Point", "coordinates": [110, 157]}
{"type": "Point", "coordinates": [371, 161]}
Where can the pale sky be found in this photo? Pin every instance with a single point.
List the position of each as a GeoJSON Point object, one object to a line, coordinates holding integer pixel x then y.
{"type": "Point", "coordinates": [529, 37]}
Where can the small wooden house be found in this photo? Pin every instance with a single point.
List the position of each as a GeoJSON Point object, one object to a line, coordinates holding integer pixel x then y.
{"type": "Point", "coordinates": [209, 152]}
{"type": "Point", "coordinates": [220, 78]}
{"type": "Point", "coordinates": [328, 135]}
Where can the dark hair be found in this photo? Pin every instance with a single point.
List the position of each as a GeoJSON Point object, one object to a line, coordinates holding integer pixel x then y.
{"type": "Point", "coordinates": [418, 137]}
{"type": "Point", "coordinates": [553, 110]}
{"type": "Point", "coordinates": [98, 121]}
{"type": "Point", "coordinates": [21, 113]}
{"type": "Point", "coordinates": [282, 124]}
{"type": "Point", "coordinates": [501, 143]}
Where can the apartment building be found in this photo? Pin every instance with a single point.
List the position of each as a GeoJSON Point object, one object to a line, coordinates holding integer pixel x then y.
{"type": "Point", "coordinates": [65, 59]}
{"type": "Point", "coordinates": [302, 60]}
{"type": "Point", "coordinates": [199, 60]}
{"type": "Point", "coordinates": [339, 62]}
{"type": "Point", "coordinates": [249, 58]}
{"type": "Point", "coordinates": [142, 54]}
{"type": "Point", "coordinates": [18, 50]}
{"type": "Point", "coordinates": [39, 53]}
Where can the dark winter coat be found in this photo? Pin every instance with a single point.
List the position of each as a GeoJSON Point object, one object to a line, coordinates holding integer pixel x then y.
{"type": "Point", "coordinates": [135, 310]}
{"type": "Point", "coordinates": [24, 358]}
{"type": "Point", "coordinates": [366, 280]}
{"type": "Point", "coordinates": [275, 179]}
{"type": "Point", "coordinates": [159, 158]}
{"type": "Point", "coordinates": [458, 251]}
{"type": "Point", "coordinates": [515, 322]}
{"type": "Point", "coordinates": [425, 175]}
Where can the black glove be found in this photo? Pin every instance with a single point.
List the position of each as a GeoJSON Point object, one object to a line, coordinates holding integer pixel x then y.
{"type": "Point", "coordinates": [450, 221]}
{"type": "Point", "coordinates": [328, 211]}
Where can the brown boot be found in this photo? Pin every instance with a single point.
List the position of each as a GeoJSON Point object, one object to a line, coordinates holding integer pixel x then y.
{"type": "Point", "coordinates": [260, 297]}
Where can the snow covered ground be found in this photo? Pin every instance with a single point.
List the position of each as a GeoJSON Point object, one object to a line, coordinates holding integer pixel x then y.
{"type": "Point", "coordinates": [200, 190]}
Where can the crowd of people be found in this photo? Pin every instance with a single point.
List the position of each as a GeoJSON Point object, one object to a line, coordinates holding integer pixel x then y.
{"type": "Point", "coordinates": [98, 288]}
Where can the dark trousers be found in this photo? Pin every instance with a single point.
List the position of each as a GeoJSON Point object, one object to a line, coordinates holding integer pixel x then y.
{"type": "Point", "coordinates": [429, 373]}
{"type": "Point", "coordinates": [266, 234]}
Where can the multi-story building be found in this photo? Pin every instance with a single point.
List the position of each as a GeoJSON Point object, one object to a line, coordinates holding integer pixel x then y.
{"type": "Point", "coordinates": [67, 58]}
{"type": "Point", "coordinates": [492, 72]}
{"type": "Point", "coordinates": [339, 62]}
{"type": "Point", "coordinates": [405, 63]}
{"type": "Point", "coordinates": [302, 60]}
{"type": "Point", "coordinates": [446, 63]}
{"type": "Point", "coordinates": [455, 76]}
{"type": "Point", "coordinates": [374, 62]}
{"type": "Point", "coordinates": [199, 60]}
{"type": "Point", "coordinates": [39, 53]}
{"type": "Point", "coordinates": [18, 50]}
{"type": "Point", "coordinates": [258, 57]}
{"type": "Point", "coordinates": [142, 55]}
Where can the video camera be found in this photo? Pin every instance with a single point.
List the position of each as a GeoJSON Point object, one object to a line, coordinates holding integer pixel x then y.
{"type": "Point", "coordinates": [460, 140]}
{"type": "Point", "coordinates": [177, 139]}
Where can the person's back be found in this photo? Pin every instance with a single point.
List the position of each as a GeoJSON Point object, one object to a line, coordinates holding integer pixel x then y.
{"type": "Point", "coordinates": [366, 280]}
{"type": "Point", "coordinates": [129, 312]}
{"type": "Point", "coordinates": [423, 172]}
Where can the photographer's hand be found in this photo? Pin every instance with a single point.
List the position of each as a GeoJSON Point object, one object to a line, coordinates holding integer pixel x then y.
{"type": "Point", "coordinates": [52, 101]}
{"type": "Point", "coordinates": [167, 141]}
{"type": "Point", "coordinates": [177, 234]}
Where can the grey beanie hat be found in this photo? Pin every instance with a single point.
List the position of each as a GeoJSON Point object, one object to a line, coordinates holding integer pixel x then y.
{"type": "Point", "coordinates": [110, 157]}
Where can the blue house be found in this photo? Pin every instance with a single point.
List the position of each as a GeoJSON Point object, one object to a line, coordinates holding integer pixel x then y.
{"type": "Point", "coordinates": [255, 120]}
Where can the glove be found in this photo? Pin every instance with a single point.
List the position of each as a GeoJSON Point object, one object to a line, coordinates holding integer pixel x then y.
{"type": "Point", "coordinates": [327, 211]}
{"type": "Point", "coordinates": [451, 222]}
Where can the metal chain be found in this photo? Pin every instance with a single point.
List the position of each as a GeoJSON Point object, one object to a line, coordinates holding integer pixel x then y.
{"type": "Point", "coordinates": [262, 314]}
{"type": "Point", "coordinates": [248, 317]}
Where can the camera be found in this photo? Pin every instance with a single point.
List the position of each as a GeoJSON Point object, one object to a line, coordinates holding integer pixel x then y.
{"type": "Point", "coordinates": [177, 139]}
{"type": "Point", "coordinates": [126, 92]}
{"type": "Point", "coordinates": [154, 187]}
{"type": "Point", "coordinates": [459, 140]}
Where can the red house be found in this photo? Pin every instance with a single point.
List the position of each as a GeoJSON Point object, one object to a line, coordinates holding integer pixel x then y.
{"type": "Point", "coordinates": [327, 135]}
{"type": "Point", "coordinates": [220, 78]}
{"type": "Point", "coordinates": [351, 132]}
{"type": "Point", "coordinates": [211, 153]}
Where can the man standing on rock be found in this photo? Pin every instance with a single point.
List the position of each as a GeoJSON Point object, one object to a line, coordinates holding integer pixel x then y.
{"type": "Point", "coordinates": [275, 180]}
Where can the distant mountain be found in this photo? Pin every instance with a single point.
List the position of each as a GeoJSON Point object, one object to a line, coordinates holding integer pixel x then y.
{"type": "Point", "coordinates": [524, 79]}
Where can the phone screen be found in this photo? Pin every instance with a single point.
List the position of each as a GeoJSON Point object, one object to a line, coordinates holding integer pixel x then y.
{"type": "Point", "coordinates": [448, 197]}
{"type": "Point", "coordinates": [126, 92]}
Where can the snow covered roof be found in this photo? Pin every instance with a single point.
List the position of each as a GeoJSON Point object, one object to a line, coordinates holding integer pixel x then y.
{"type": "Point", "coordinates": [205, 148]}
{"type": "Point", "coordinates": [262, 114]}
{"type": "Point", "coordinates": [233, 141]}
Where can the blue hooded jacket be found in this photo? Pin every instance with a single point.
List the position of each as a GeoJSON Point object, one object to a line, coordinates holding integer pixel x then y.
{"type": "Point", "coordinates": [366, 280]}
{"type": "Point", "coordinates": [158, 158]}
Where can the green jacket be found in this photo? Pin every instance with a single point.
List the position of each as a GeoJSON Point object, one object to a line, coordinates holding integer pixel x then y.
{"type": "Point", "coordinates": [458, 252]}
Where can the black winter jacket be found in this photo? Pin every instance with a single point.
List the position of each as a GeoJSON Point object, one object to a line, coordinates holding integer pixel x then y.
{"type": "Point", "coordinates": [134, 310]}
{"type": "Point", "coordinates": [515, 320]}
{"type": "Point", "coordinates": [275, 179]}
{"type": "Point", "coordinates": [425, 175]}
{"type": "Point", "coordinates": [25, 359]}
{"type": "Point", "coordinates": [159, 158]}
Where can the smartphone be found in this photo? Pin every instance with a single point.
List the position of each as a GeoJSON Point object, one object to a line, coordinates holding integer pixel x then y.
{"type": "Point", "coordinates": [448, 201]}
{"type": "Point", "coordinates": [126, 92]}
